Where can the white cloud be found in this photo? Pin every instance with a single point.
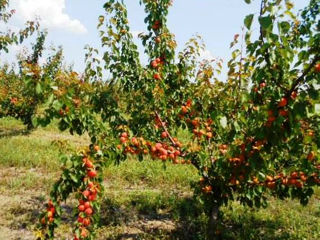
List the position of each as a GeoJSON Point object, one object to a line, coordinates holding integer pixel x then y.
{"type": "Point", "coordinates": [206, 55]}
{"type": "Point", "coordinates": [50, 12]}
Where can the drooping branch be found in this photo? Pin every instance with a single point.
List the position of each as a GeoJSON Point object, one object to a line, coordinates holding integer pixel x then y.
{"type": "Point", "coordinates": [165, 129]}
{"type": "Point", "coordinates": [300, 79]}
{"type": "Point", "coordinates": [183, 154]}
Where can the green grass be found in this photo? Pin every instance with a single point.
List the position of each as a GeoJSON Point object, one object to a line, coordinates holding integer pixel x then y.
{"type": "Point", "coordinates": [143, 200]}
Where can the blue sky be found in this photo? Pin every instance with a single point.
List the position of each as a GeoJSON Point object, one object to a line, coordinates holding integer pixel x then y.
{"type": "Point", "coordinates": [72, 23]}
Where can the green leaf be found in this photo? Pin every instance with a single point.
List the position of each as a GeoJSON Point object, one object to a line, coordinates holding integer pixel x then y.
{"type": "Point", "coordinates": [38, 88]}
{"type": "Point", "coordinates": [56, 105]}
{"type": "Point", "coordinates": [248, 21]}
{"type": "Point", "coordinates": [73, 178]}
{"type": "Point", "coordinates": [317, 109]}
{"type": "Point", "coordinates": [34, 121]}
{"type": "Point", "coordinates": [285, 27]}
{"type": "Point", "coordinates": [265, 22]}
{"type": "Point", "coordinates": [248, 1]}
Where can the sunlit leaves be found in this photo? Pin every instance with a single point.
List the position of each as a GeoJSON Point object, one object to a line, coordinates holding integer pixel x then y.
{"type": "Point", "coordinates": [248, 21]}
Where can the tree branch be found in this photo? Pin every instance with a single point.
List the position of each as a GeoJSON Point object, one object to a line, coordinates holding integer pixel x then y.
{"type": "Point", "coordinates": [305, 73]}
{"type": "Point", "coordinates": [165, 129]}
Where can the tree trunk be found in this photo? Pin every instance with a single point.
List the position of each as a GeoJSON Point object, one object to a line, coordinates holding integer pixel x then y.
{"type": "Point", "coordinates": [213, 223]}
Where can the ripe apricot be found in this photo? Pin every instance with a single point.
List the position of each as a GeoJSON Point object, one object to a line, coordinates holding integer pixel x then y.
{"type": "Point", "coordinates": [269, 178]}
{"type": "Point", "coordinates": [317, 68]}
{"type": "Point", "coordinates": [88, 211]}
{"type": "Point", "coordinates": [184, 109]}
{"type": "Point", "coordinates": [158, 40]}
{"type": "Point", "coordinates": [92, 174]}
{"type": "Point", "coordinates": [96, 148]}
{"type": "Point", "coordinates": [283, 102]}
{"type": "Point", "coordinates": [123, 139]}
{"type": "Point", "coordinates": [311, 156]}
{"type": "Point", "coordinates": [271, 185]}
{"type": "Point", "coordinates": [50, 214]}
{"type": "Point", "coordinates": [263, 84]}
{"type": "Point", "coordinates": [92, 197]}
{"type": "Point", "coordinates": [84, 233]}
{"type": "Point", "coordinates": [80, 219]}
{"type": "Point", "coordinates": [157, 76]}
{"type": "Point", "coordinates": [86, 205]}
{"type": "Point", "coordinates": [154, 64]}
{"type": "Point", "coordinates": [294, 95]}
{"type": "Point", "coordinates": [164, 134]}
{"type": "Point", "coordinates": [86, 193]}
{"type": "Point", "coordinates": [81, 208]}
{"type": "Point", "coordinates": [294, 174]}
{"type": "Point", "coordinates": [86, 222]}
{"type": "Point", "coordinates": [283, 113]}
{"type": "Point", "coordinates": [89, 164]}
{"type": "Point", "coordinates": [124, 134]}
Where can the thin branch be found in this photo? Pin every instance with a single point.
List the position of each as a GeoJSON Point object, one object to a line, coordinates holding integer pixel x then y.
{"type": "Point", "coordinates": [165, 129]}
{"type": "Point", "coordinates": [183, 154]}
{"type": "Point", "coordinates": [262, 6]}
{"type": "Point", "coordinates": [305, 73]}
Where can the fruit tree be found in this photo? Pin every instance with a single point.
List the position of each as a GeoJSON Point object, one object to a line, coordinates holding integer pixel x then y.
{"type": "Point", "coordinates": [255, 134]}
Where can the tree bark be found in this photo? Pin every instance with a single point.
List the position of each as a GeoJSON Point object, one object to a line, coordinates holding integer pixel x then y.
{"type": "Point", "coordinates": [213, 223]}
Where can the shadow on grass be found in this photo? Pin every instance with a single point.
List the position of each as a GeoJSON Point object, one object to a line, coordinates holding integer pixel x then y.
{"type": "Point", "coordinates": [162, 217]}
{"type": "Point", "coordinates": [28, 214]}
{"type": "Point", "coordinates": [14, 132]}
{"type": "Point", "coordinates": [184, 220]}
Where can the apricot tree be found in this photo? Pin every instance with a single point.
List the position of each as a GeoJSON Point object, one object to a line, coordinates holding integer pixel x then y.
{"type": "Point", "coordinates": [257, 133]}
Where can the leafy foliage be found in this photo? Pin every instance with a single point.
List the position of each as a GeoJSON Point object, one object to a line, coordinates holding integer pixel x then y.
{"type": "Point", "coordinates": [255, 134]}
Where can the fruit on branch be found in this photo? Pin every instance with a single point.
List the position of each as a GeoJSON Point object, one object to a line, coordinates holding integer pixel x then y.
{"type": "Point", "coordinates": [294, 95]}
{"type": "Point", "coordinates": [84, 233]}
{"type": "Point", "coordinates": [157, 76]}
{"type": "Point", "coordinates": [158, 40]}
{"type": "Point", "coordinates": [96, 148]}
{"type": "Point", "coordinates": [317, 68]}
{"type": "Point", "coordinates": [89, 164]}
{"type": "Point", "coordinates": [283, 102]}
{"type": "Point", "coordinates": [81, 208]}
{"type": "Point", "coordinates": [88, 211]}
{"type": "Point", "coordinates": [86, 193]}
{"type": "Point", "coordinates": [156, 25]}
{"type": "Point", "coordinates": [283, 112]}
{"type": "Point", "coordinates": [263, 84]}
{"type": "Point", "coordinates": [87, 205]}
{"type": "Point", "coordinates": [92, 174]}
{"type": "Point", "coordinates": [164, 134]}
{"type": "Point", "coordinates": [311, 156]}
{"type": "Point", "coordinates": [86, 222]}
{"type": "Point", "coordinates": [154, 64]}
{"type": "Point", "coordinates": [184, 109]}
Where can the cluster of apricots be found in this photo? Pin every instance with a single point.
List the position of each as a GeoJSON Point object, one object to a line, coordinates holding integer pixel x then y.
{"type": "Point", "coordinates": [295, 179]}
{"type": "Point", "coordinates": [88, 164]}
{"type": "Point", "coordinates": [163, 151]}
{"type": "Point", "coordinates": [88, 195]}
{"type": "Point", "coordinates": [64, 111]}
{"type": "Point", "coordinates": [49, 218]}
{"type": "Point", "coordinates": [156, 64]}
{"type": "Point", "coordinates": [200, 128]}
{"type": "Point", "coordinates": [281, 109]}
{"type": "Point", "coordinates": [205, 188]}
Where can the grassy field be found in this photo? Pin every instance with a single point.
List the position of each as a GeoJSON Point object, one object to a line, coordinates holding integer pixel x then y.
{"type": "Point", "coordinates": [142, 199]}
